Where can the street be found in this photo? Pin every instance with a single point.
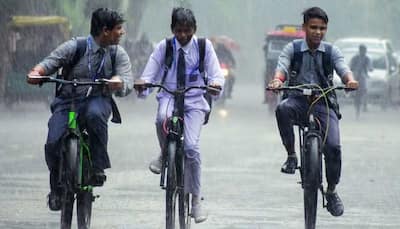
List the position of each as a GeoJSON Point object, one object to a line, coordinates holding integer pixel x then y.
{"type": "Point", "coordinates": [241, 180]}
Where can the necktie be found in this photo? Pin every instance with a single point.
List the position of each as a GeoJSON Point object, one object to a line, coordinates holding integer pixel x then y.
{"type": "Point", "coordinates": [181, 71]}
{"type": "Point", "coordinates": [100, 63]}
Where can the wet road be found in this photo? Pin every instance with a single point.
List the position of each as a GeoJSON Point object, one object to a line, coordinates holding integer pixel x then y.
{"type": "Point", "coordinates": [241, 156]}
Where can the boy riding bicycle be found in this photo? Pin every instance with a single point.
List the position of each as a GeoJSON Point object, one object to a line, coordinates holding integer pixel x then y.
{"type": "Point", "coordinates": [86, 59]}
{"type": "Point", "coordinates": [185, 59]}
{"type": "Point", "coordinates": [312, 61]}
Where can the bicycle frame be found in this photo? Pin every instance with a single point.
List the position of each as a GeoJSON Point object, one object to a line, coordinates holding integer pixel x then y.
{"type": "Point", "coordinates": [310, 145]}
{"type": "Point", "coordinates": [75, 164]}
{"type": "Point", "coordinates": [173, 165]}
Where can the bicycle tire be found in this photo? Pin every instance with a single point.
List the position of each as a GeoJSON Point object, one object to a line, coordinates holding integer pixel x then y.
{"type": "Point", "coordinates": [70, 164]}
{"type": "Point", "coordinates": [311, 181]}
{"type": "Point", "coordinates": [71, 160]}
{"type": "Point", "coordinates": [171, 190]}
{"type": "Point", "coordinates": [84, 202]}
{"type": "Point", "coordinates": [67, 208]}
{"type": "Point", "coordinates": [184, 210]}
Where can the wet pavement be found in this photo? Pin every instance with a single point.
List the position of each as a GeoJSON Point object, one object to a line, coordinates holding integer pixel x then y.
{"type": "Point", "coordinates": [241, 154]}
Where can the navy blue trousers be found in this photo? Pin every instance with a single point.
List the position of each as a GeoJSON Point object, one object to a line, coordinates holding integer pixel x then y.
{"type": "Point", "coordinates": [294, 110]}
{"type": "Point", "coordinates": [93, 113]}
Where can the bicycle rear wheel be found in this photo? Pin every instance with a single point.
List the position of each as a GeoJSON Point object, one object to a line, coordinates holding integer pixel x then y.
{"type": "Point", "coordinates": [171, 190]}
{"type": "Point", "coordinates": [311, 173]}
{"type": "Point", "coordinates": [184, 210]}
{"type": "Point", "coordinates": [84, 202]}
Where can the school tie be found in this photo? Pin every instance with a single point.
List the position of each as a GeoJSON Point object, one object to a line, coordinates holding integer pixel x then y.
{"type": "Point", "coordinates": [181, 71]}
{"type": "Point", "coordinates": [100, 73]}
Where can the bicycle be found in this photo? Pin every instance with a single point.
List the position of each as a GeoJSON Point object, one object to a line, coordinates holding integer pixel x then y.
{"type": "Point", "coordinates": [75, 163]}
{"type": "Point", "coordinates": [173, 159]}
{"type": "Point", "coordinates": [311, 143]}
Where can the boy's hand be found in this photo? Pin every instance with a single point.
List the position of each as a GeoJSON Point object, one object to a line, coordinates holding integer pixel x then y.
{"type": "Point", "coordinates": [139, 85]}
{"type": "Point", "coordinates": [353, 84]}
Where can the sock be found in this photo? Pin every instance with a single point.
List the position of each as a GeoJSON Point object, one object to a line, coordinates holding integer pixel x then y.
{"type": "Point", "coordinates": [195, 199]}
{"type": "Point", "coordinates": [331, 189]}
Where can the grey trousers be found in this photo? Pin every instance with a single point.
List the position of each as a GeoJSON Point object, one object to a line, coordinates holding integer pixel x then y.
{"type": "Point", "coordinates": [193, 122]}
{"type": "Point", "coordinates": [294, 109]}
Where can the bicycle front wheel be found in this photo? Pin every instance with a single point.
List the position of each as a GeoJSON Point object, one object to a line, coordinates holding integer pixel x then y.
{"type": "Point", "coordinates": [311, 178]}
{"type": "Point", "coordinates": [67, 207]}
{"type": "Point", "coordinates": [184, 210]}
{"type": "Point", "coordinates": [171, 190]}
{"type": "Point", "coordinates": [70, 164]}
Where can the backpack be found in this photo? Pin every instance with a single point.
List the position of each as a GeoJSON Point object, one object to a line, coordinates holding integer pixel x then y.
{"type": "Point", "coordinates": [79, 53]}
{"type": "Point", "coordinates": [201, 42]}
{"type": "Point", "coordinates": [326, 79]}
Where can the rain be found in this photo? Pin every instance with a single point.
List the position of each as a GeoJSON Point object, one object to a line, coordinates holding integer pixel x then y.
{"type": "Point", "coordinates": [241, 150]}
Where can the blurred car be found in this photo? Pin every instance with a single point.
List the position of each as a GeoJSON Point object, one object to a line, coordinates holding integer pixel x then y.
{"type": "Point", "coordinates": [384, 81]}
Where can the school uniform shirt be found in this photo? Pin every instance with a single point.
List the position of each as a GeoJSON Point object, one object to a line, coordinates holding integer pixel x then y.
{"type": "Point", "coordinates": [154, 71]}
{"type": "Point", "coordinates": [311, 62]}
{"type": "Point", "coordinates": [64, 54]}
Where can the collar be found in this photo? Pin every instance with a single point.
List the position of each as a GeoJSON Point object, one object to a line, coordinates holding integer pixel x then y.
{"type": "Point", "coordinates": [304, 46]}
{"type": "Point", "coordinates": [187, 46]}
{"type": "Point", "coordinates": [95, 46]}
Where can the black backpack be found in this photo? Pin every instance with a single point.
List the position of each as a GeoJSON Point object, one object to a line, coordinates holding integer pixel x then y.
{"type": "Point", "coordinates": [327, 66]}
{"type": "Point", "coordinates": [201, 42]}
{"type": "Point", "coordinates": [79, 53]}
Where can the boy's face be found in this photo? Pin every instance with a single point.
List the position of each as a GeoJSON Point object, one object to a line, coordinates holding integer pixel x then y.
{"type": "Point", "coordinates": [315, 30]}
{"type": "Point", "coordinates": [114, 35]}
{"type": "Point", "coordinates": [183, 33]}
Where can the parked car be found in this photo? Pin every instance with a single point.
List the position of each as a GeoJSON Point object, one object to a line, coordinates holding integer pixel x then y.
{"type": "Point", "coordinates": [384, 81]}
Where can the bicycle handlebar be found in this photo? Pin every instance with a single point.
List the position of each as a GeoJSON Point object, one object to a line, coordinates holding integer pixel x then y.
{"type": "Point", "coordinates": [309, 89]}
{"type": "Point", "coordinates": [179, 91]}
{"type": "Point", "coordinates": [75, 82]}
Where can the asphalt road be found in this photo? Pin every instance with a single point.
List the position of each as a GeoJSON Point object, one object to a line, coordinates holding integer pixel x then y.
{"type": "Point", "coordinates": [241, 154]}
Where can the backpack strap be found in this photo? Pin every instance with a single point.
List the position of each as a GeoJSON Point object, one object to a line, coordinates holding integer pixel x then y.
{"type": "Point", "coordinates": [168, 59]}
{"type": "Point", "coordinates": [201, 42]}
{"type": "Point", "coordinates": [327, 61]}
{"type": "Point", "coordinates": [296, 62]}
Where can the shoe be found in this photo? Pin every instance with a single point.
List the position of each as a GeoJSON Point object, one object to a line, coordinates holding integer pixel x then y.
{"type": "Point", "coordinates": [290, 165]}
{"type": "Point", "coordinates": [155, 165]}
{"type": "Point", "coordinates": [198, 214]}
{"type": "Point", "coordinates": [54, 201]}
{"type": "Point", "coordinates": [334, 204]}
{"type": "Point", "coordinates": [98, 177]}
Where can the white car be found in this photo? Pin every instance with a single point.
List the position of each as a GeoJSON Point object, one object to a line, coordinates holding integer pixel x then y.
{"type": "Point", "coordinates": [383, 84]}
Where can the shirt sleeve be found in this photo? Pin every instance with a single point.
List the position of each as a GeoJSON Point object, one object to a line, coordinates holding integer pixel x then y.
{"type": "Point", "coordinates": [59, 57]}
{"type": "Point", "coordinates": [151, 72]}
{"type": "Point", "coordinates": [285, 58]}
{"type": "Point", "coordinates": [212, 67]}
{"type": "Point", "coordinates": [123, 69]}
{"type": "Point", "coordinates": [339, 63]}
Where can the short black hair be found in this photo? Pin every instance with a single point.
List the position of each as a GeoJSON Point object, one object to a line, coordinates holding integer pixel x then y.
{"type": "Point", "coordinates": [314, 12]}
{"type": "Point", "coordinates": [104, 17]}
{"type": "Point", "coordinates": [183, 16]}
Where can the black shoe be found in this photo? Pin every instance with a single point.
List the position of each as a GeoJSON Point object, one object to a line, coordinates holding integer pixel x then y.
{"type": "Point", "coordinates": [334, 204]}
{"type": "Point", "coordinates": [54, 201]}
{"type": "Point", "coordinates": [98, 177]}
{"type": "Point", "coordinates": [290, 165]}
